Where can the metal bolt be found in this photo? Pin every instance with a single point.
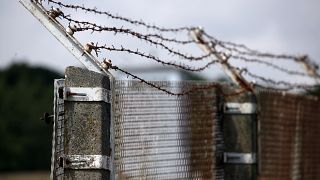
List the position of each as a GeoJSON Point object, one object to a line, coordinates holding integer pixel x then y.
{"type": "Point", "coordinates": [47, 118]}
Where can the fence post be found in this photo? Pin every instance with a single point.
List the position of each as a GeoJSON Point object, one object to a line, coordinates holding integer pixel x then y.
{"type": "Point", "coordinates": [87, 125]}
{"type": "Point", "coordinates": [240, 139]}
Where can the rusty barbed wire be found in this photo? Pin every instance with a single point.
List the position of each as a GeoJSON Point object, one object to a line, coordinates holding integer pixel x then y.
{"type": "Point", "coordinates": [288, 85]}
{"type": "Point", "coordinates": [157, 59]}
{"type": "Point", "coordinates": [234, 47]}
{"type": "Point", "coordinates": [230, 49]}
{"type": "Point", "coordinates": [288, 71]}
{"type": "Point", "coordinates": [94, 27]}
{"type": "Point", "coordinates": [191, 58]}
{"type": "Point", "coordinates": [224, 44]}
{"type": "Point", "coordinates": [182, 93]}
{"type": "Point", "coordinates": [134, 22]}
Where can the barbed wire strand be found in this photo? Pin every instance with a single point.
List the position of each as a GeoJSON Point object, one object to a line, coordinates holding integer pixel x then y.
{"type": "Point", "coordinates": [287, 85]}
{"type": "Point", "coordinates": [199, 58]}
{"type": "Point", "coordinates": [238, 51]}
{"type": "Point", "coordinates": [182, 93]}
{"type": "Point", "coordinates": [157, 59]}
{"type": "Point", "coordinates": [134, 22]}
{"type": "Point", "coordinates": [224, 44]}
{"type": "Point", "coordinates": [99, 28]}
{"type": "Point", "coordinates": [269, 64]}
{"type": "Point", "coordinates": [191, 58]}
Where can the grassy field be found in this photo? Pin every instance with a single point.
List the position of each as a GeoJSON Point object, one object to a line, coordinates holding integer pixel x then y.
{"type": "Point", "coordinates": [39, 175]}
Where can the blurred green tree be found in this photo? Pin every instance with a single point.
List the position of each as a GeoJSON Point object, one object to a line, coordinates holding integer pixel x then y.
{"type": "Point", "coordinates": [25, 94]}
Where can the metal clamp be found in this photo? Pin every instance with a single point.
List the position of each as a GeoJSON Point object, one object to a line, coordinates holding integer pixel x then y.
{"type": "Point", "coordinates": [87, 94]}
{"type": "Point", "coordinates": [240, 108]}
{"type": "Point", "coordinates": [239, 158]}
{"type": "Point", "coordinates": [85, 162]}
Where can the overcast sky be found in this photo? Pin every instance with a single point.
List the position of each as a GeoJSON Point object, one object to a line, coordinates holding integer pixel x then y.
{"type": "Point", "coordinates": [289, 26]}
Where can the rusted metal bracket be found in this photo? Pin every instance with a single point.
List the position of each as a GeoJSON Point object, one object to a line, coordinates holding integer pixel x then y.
{"type": "Point", "coordinates": [87, 94]}
{"type": "Point", "coordinates": [47, 19]}
{"type": "Point", "coordinates": [209, 48]}
{"type": "Point", "coordinates": [240, 108]}
{"type": "Point", "coordinates": [85, 162]}
{"type": "Point", "coordinates": [239, 158]}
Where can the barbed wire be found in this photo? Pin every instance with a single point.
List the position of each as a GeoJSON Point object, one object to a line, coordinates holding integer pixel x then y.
{"type": "Point", "coordinates": [234, 47]}
{"type": "Point", "coordinates": [110, 15]}
{"type": "Point", "coordinates": [191, 58]}
{"type": "Point", "coordinates": [157, 59]}
{"type": "Point", "coordinates": [224, 44]}
{"type": "Point", "coordinates": [288, 71]}
{"type": "Point", "coordinates": [228, 49]}
{"type": "Point", "coordinates": [184, 92]}
{"type": "Point", "coordinates": [288, 85]}
{"type": "Point", "coordinates": [94, 27]}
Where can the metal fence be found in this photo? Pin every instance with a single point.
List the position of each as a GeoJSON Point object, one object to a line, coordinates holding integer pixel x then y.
{"type": "Point", "coordinates": [289, 136]}
{"type": "Point", "coordinates": [160, 136]}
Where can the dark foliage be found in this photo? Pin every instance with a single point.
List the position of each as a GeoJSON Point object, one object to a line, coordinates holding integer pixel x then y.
{"type": "Point", "coordinates": [25, 94]}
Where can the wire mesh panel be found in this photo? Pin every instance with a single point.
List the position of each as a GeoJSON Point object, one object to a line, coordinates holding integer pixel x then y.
{"type": "Point", "coordinates": [158, 136]}
{"type": "Point", "coordinates": [58, 130]}
{"type": "Point", "coordinates": [289, 136]}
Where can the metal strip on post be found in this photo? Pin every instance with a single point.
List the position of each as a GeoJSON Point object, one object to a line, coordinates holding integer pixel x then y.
{"type": "Point", "coordinates": [86, 162]}
{"type": "Point", "coordinates": [87, 94]}
{"type": "Point", "coordinates": [239, 158]}
{"type": "Point", "coordinates": [240, 108]}
{"type": "Point", "coordinates": [68, 41]}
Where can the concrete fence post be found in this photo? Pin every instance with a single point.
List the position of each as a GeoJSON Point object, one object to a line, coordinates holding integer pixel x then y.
{"type": "Point", "coordinates": [240, 139]}
{"type": "Point", "coordinates": [87, 125]}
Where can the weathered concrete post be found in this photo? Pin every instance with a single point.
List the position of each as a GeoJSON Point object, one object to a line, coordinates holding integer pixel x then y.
{"type": "Point", "coordinates": [87, 125]}
{"type": "Point", "coordinates": [240, 138]}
